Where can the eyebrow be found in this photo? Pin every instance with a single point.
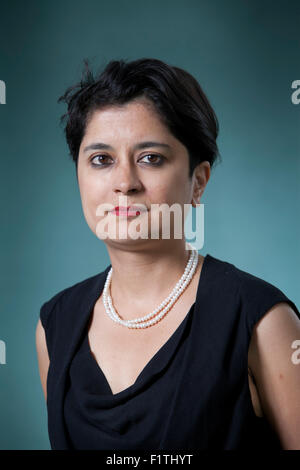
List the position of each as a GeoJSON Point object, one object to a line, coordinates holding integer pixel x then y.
{"type": "Point", "coordinates": [140, 145]}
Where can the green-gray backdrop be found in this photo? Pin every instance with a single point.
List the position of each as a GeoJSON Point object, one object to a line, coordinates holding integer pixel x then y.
{"type": "Point", "coordinates": [245, 54]}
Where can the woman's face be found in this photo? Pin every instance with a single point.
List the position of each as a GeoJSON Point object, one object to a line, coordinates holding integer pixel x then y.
{"type": "Point", "coordinates": [128, 156]}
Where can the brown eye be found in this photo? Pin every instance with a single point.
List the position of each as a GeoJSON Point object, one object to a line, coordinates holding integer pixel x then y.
{"type": "Point", "coordinates": [158, 159]}
{"type": "Point", "coordinates": [100, 159]}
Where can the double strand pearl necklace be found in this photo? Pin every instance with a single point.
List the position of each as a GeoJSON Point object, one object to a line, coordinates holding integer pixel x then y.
{"type": "Point", "coordinates": [163, 308]}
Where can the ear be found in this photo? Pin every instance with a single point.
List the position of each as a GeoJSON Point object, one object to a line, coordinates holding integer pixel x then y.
{"type": "Point", "coordinates": [201, 176]}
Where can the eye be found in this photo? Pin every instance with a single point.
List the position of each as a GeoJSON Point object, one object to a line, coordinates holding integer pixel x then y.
{"type": "Point", "coordinates": [101, 161]}
{"type": "Point", "coordinates": [154, 163]}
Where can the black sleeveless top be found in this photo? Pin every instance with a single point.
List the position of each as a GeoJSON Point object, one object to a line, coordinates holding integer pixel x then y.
{"type": "Point", "coordinates": [192, 395]}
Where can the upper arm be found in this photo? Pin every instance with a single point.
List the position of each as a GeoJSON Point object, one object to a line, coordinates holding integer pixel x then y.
{"type": "Point", "coordinates": [42, 354]}
{"type": "Point", "coordinates": [276, 374]}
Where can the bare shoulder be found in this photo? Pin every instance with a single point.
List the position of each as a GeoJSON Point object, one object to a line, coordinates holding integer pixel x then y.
{"type": "Point", "coordinates": [42, 355]}
{"type": "Point", "coordinates": [277, 376]}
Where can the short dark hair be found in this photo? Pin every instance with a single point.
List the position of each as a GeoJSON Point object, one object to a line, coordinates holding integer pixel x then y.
{"type": "Point", "coordinates": [177, 96]}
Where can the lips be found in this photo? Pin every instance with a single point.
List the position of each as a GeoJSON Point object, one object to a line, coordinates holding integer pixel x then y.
{"type": "Point", "coordinates": [127, 211]}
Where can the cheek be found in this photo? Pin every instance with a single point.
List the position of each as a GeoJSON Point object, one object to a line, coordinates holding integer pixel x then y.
{"type": "Point", "coordinates": [171, 191]}
{"type": "Point", "coordinates": [90, 194]}
{"type": "Point", "coordinates": [91, 197]}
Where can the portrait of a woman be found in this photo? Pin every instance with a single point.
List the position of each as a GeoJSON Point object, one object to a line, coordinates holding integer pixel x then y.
{"type": "Point", "coordinates": [165, 348]}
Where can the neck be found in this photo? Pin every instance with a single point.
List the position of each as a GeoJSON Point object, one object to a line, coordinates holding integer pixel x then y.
{"type": "Point", "coordinates": [144, 277]}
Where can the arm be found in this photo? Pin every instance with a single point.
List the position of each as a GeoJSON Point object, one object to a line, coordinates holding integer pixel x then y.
{"type": "Point", "coordinates": [277, 377]}
{"type": "Point", "coordinates": [43, 357]}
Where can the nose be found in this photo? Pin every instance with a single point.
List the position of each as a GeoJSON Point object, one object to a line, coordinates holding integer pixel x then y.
{"type": "Point", "coordinates": [125, 179]}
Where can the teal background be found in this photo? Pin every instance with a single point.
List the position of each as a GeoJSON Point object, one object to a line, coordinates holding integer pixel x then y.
{"type": "Point", "coordinates": [244, 54]}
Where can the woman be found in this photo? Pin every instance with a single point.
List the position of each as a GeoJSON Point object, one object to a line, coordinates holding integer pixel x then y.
{"type": "Point", "coordinates": [166, 348]}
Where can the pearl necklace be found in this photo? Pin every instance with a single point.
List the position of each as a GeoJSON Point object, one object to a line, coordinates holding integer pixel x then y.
{"type": "Point", "coordinates": [163, 308]}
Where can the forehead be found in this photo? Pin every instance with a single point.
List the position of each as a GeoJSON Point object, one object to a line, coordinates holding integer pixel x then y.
{"type": "Point", "coordinates": [136, 116]}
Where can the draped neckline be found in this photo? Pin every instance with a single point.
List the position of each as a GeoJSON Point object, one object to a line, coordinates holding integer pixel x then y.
{"type": "Point", "coordinates": [158, 361]}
